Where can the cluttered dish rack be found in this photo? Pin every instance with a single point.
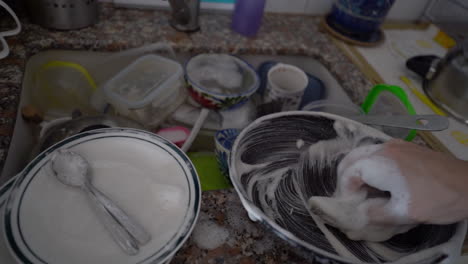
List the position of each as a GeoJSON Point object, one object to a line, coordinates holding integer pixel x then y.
{"type": "Point", "coordinates": [147, 90]}
{"type": "Point", "coordinates": [88, 72]}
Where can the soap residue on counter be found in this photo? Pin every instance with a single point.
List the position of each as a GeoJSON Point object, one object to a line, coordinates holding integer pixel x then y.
{"type": "Point", "coordinates": [207, 234]}
{"type": "Point", "coordinates": [280, 167]}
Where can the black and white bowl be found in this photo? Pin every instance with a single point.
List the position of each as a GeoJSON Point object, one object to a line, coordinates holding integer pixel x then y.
{"type": "Point", "coordinates": [273, 181]}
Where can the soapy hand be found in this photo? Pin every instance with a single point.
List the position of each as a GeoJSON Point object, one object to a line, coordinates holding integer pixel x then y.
{"type": "Point", "coordinates": [387, 189]}
{"type": "Point", "coordinates": [424, 186]}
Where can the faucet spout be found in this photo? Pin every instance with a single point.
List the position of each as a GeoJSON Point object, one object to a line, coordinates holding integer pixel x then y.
{"type": "Point", "coordinates": [185, 15]}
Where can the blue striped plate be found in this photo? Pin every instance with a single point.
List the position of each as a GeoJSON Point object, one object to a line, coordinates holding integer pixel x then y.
{"type": "Point", "coordinates": [149, 177]}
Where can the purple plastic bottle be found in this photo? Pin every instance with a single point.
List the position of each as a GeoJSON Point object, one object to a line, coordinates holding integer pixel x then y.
{"type": "Point", "coordinates": [247, 16]}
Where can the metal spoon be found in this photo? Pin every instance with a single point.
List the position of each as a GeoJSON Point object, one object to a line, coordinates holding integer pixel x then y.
{"type": "Point", "coordinates": [71, 169]}
{"type": "Point", "coordinates": [418, 122]}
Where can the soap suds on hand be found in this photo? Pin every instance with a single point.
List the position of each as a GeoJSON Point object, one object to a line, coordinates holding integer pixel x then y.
{"type": "Point", "coordinates": [324, 154]}
{"type": "Point", "coordinates": [281, 185]}
{"type": "Point", "coordinates": [348, 209]}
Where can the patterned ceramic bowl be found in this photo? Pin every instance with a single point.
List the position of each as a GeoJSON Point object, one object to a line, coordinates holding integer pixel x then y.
{"type": "Point", "coordinates": [273, 173]}
{"type": "Point", "coordinates": [224, 139]}
{"type": "Point", "coordinates": [230, 82]}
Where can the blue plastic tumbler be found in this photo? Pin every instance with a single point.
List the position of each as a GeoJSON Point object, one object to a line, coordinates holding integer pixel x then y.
{"type": "Point", "coordinates": [247, 16]}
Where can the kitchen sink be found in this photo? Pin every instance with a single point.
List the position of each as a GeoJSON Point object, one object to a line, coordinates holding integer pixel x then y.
{"type": "Point", "coordinates": [23, 139]}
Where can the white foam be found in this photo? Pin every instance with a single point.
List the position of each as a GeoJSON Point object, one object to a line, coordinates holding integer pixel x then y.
{"type": "Point", "coordinates": [300, 143]}
{"type": "Point", "coordinates": [237, 220]}
{"type": "Point", "coordinates": [70, 168]}
{"type": "Point", "coordinates": [209, 235]}
{"type": "Point", "coordinates": [217, 73]}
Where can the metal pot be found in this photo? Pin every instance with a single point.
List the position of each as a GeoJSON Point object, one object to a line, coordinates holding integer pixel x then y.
{"type": "Point", "coordinates": [445, 80]}
{"type": "Point", "coordinates": [63, 14]}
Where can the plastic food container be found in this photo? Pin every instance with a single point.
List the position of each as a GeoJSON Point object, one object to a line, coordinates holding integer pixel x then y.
{"type": "Point", "coordinates": [148, 90]}
{"type": "Point", "coordinates": [60, 87]}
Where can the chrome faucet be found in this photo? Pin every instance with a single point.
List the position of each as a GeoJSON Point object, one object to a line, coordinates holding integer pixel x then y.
{"type": "Point", "coordinates": [185, 15]}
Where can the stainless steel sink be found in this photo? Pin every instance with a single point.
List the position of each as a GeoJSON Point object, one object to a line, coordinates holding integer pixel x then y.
{"type": "Point", "coordinates": [23, 140]}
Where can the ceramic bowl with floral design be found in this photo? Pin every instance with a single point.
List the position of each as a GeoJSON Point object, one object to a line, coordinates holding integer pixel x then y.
{"type": "Point", "coordinates": [220, 81]}
{"type": "Point", "coordinates": [224, 139]}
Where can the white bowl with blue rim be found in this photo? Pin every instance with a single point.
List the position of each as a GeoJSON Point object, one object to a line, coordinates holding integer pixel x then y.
{"type": "Point", "coordinates": [149, 177]}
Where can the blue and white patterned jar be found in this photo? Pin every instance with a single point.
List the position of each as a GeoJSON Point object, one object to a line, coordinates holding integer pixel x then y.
{"type": "Point", "coordinates": [360, 16]}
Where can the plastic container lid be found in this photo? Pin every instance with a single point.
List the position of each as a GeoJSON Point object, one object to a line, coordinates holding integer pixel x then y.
{"type": "Point", "coordinates": [142, 81]}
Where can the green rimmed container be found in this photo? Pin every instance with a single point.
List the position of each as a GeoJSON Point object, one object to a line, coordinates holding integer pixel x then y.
{"type": "Point", "coordinates": [388, 100]}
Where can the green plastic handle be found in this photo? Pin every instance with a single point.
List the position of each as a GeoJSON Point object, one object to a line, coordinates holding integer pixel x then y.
{"type": "Point", "coordinates": [399, 93]}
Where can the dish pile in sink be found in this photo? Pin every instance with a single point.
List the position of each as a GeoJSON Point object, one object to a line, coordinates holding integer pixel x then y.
{"type": "Point", "coordinates": [151, 179]}
{"type": "Point", "coordinates": [274, 183]}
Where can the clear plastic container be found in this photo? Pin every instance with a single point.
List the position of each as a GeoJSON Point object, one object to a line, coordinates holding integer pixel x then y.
{"type": "Point", "coordinates": [148, 90]}
{"type": "Point", "coordinates": [60, 87]}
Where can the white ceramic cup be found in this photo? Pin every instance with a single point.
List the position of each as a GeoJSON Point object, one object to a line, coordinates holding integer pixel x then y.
{"type": "Point", "coordinates": [4, 49]}
{"type": "Point", "coordinates": [286, 83]}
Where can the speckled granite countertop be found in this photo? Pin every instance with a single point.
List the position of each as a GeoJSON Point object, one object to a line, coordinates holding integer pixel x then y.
{"type": "Point", "coordinates": [119, 29]}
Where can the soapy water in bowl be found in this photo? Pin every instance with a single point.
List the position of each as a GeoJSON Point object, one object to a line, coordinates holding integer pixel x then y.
{"type": "Point", "coordinates": [284, 161]}
{"type": "Point", "coordinates": [219, 73]}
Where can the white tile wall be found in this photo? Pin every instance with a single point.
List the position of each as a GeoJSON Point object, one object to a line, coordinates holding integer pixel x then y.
{"type": "Point", "coordinates": [404, 10]}
{"type": "Point", "coordinates": [408, 10]}
{"type": "Point", "coordinates": [318, 7]}
{"type": "Point", "coordinates": [286, 6]}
